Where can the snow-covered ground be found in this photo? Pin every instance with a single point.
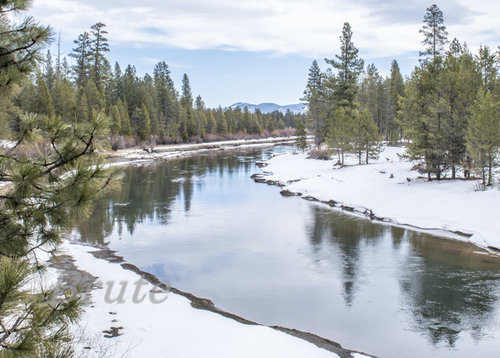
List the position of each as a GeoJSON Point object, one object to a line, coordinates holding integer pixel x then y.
{"type": "Point", "coordinates": [172, 328]}
{"type": "Point", "coordinates": [392, 190]}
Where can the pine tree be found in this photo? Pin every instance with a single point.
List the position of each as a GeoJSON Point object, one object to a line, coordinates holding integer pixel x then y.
{"type": "Point", "coordinates": [20, 44]}
{"type": "Point", "coordinates": [63, 98]}
{"type": "Point", "coordinates": [43, 100]}
{"type": "Point", "coordinates": [98, 47]}
{"type": "Point", "coordinates": [483, 138]}
{"type": "Point", "coordinates": [116, 121]}
{"type": "Point", "coordinates": [349, 67]}
{"type": "Point", "coordinates": [488, 63]}
{"type": "Point", "coordinates": [459, 82]}
{"type": "Point", "coordinates": [341, 133]}
{"type": "Point", "coordinates": [47, 192]}
{"type": "Point", "coordinates": [314, 96]}
{"type": "Point", "coordinates": [372, 97]}
{"type": "Point", "coordinates": [365, 136]}
{"type": "Point", "coordinates": [82, 55]}
{"type": "Point", "coordinates": [420, 115]}
{"type": "Point", "coordinates": [49, 74]}
{"type": "Point", "coordinates": [64, 182]}
{"type": "Point", "coordinates": [434, 31]}
{"type": "Point", "coordinates": [396, 94]}
{"type": "Point", "coordinates": [301, 134]}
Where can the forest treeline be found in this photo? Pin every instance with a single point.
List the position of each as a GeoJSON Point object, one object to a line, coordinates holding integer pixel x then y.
{"type": "Point", "coordinates": [447, 111]}
{"type": "Point", "coordinates": [147, 109]}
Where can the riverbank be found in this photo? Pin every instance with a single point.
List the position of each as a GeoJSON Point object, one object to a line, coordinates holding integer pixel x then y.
{"type": "Point", "coordinates": [165, 152]}
{"type": "Point", "coordinates": [388, 190]}
{"type": "Point", "coordinates": [169, 323]}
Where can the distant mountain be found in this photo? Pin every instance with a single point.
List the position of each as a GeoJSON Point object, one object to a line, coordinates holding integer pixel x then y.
{"type": "Point", "coordinates": [298, 108]}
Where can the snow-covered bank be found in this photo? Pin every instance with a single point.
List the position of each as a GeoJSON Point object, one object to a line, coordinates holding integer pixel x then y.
{"type": "Point", "coordinates": [172, 328]}
{"type": "Point", "coordinates": [389, 189]}
{"type": "Point", "coordinates": [180, 150]}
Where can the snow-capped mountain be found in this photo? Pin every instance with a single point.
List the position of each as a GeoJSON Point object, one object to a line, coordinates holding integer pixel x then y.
{"type": "Point", "coordinates": [271, 107]}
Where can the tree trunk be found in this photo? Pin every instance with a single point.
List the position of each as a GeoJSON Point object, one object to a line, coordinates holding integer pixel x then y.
{"type": "Point", "coordinates": [359, 157]}
{"type": "Point", "coordinates": [453, 172]}
{"type": "Point", "coordinates": [489, 171]}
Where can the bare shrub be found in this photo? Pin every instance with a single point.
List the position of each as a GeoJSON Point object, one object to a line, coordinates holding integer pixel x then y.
{"type": "Point", "coordinates": [117, 142]}
{"type": "Point", "coordinates": [319, 154]}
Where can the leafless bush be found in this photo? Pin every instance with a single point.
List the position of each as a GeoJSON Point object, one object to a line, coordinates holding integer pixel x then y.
{"type": "Point", "coordinates": [117, 142]}
{"type": "Point", "coordinates": [319, 154]}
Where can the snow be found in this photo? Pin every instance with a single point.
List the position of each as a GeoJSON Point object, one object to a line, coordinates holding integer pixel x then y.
{"type": "Point", "coordinates": [405, 199]}
{"type": "Point", "coordinates": [181, 150]}
{"type": "Point", "coordinates": [172, 328]}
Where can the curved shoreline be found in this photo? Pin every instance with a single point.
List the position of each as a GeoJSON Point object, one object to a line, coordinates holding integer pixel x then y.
{"type": "Point", "coordinates": [104, 253]}
{"type": "Point", "coordinates": [369, 214]}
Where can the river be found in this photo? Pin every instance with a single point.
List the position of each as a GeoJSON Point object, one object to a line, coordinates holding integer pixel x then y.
{"type": "Point", "coordinates": [201, 224]}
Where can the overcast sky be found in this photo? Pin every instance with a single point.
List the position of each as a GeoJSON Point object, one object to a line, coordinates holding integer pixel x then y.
{"type": "Point", "coordinates": [260, 51]}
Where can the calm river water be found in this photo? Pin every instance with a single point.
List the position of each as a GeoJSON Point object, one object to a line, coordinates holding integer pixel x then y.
{"type": "Point", "coordinates": [205, 227]}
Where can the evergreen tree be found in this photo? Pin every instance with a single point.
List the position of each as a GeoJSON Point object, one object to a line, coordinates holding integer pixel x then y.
{"type": "Point", "coordinates": [396, 93]}
{"type": "Point", "coordinates": [63, 98]}
{"type": "Point", "coordinates": [301, 134]}
{"type": "Point", "coordinates": [365, 136]}
{"type": "Point", "coordinates": [116, 121]}
{"type": "Point", "coordinates": [459, 82]}
{"type": "Point", "coordinates": [43, 100]}
{"type": "Point", "coordinates": [98, 47]}
{"type": "Point", "coordinates": [373, 97]}
{"type": "Point", "coordinates": [434, 31]}
{"type": "Point", "coordinates": [20, 44]}
{"type": "Point", "coordinates": [48, 73]}
{"type": "Point", "coordinates": [349, 67]}
{"type": "Point", "coordinates": [314, 96]}
{"type": "Point", "coordinates": [47, 192]}
{"type": "Point", "coordinates": [341, 133]}
{"type": "Point", "coordinates": [82, 55]}
{"type": "Point", "coordinates": [82, 108]}
{"type": "Point", "coordinates": [488, 64]}
{"type": "Point", "coordinates": [187, 96]}
{"type": "Point", "coordinates": [64, 182]}
{"type": "Point", "coordinates": [483, 138]}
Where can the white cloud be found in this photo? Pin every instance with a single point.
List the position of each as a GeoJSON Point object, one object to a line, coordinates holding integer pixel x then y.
{"type": "Point", "coordinates": [309, 28]}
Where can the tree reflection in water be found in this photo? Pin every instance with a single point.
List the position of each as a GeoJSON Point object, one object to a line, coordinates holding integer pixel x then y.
{"type": "Point", "coordinates": [148, 192]}
{"type": "Point", "coordinates": [446, 289]}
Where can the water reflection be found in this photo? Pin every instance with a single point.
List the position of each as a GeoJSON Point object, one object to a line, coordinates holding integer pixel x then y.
{"type": "Point", "coordinates": [449, 291]}
{"type": "Point", "coordinates": [202, 224]}
{"type": "Point", "coordinates": [345, 234]}
{"type": "Point", "coordinates": [148, 192]}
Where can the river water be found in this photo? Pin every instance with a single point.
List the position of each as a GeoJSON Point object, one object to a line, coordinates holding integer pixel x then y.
{"type": "Point", "coordinates": [205, 227]}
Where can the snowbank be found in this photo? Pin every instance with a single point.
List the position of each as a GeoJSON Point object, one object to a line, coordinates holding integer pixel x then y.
{"type": "Point", "coordinates": [172, 328]}
{"type": "Point", "coordinates": [391, 190]}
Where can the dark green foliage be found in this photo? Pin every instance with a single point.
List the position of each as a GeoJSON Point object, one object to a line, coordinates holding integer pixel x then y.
{"type": "Point", "coordinates": [51, 185]}
{"type": "Point", "coordinates": [316, 100]}
{"type": "Point", "coordinates": [301, 134]}
{"type": "Point", "coordinates": [483, 137]}
{"type": "Point", "coordinates": [98, 47]}
{"type": "Point", "coordinates": [20, 44]}
{"type": "Point", "coordinates": [434, 31]}
{"type": "Point", "coordinates": [52, 179]}
{"type": "Point", "coordinates": [83, 57]}
{"type": "Point", "coordinates": [348, 67]}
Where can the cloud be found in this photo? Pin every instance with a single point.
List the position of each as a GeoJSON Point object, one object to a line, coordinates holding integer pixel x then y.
{"type": "Point", "coordinates": [309, 28]}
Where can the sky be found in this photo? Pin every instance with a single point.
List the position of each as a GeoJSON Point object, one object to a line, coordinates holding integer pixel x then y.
{"type": "Point", "coordinates": [261, 50]}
